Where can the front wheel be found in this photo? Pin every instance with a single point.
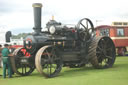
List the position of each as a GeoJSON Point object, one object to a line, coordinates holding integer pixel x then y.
{"type": "Point", "coordinates": [48, 61]}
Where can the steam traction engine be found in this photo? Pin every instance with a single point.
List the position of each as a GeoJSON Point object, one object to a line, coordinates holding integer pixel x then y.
{"type": "Point", "coordinates": [62, 45]}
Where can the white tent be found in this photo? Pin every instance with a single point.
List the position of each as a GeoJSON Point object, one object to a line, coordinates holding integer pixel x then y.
{"type": "Point", "coordinates": [2, 36]}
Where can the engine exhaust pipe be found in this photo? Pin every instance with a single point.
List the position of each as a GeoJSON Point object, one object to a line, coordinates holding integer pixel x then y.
{"type": "Point", "coordinates": [37, 17]}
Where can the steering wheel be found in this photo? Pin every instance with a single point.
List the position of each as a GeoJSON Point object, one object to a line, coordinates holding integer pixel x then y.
{"type": "Point", "coordinates": [85, 28]}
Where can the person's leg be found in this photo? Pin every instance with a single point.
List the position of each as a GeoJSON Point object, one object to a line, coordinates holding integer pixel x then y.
{"type": "Point", "coordinates": [0, 65]}
{"type": "Point", "coordinates": [9, 70]}
{"type": "Point", "coordinates": [4, 70]}
{"type": "Point", "coordinates": [0, 61]}
{"type": "Point", "coordinates": [11, 67]}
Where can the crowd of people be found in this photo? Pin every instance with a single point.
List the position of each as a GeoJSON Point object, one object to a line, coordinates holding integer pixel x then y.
{"type": "Point", "coordinates": [5, 55]}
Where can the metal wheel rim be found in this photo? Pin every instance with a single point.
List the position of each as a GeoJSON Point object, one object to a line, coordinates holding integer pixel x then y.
{"type": "Point", "coordinates": [45, 63]}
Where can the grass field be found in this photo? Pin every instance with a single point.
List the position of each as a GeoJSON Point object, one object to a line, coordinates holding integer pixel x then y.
{"type": "Point", "coordinates": [117, 75]}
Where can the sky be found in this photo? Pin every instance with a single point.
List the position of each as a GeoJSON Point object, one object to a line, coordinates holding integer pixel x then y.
{"type": "Point", "coordinates": [17, 15]}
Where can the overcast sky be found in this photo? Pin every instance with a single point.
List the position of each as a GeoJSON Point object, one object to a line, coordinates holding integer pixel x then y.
{"type": "Point", "coordinates": [17, 15]}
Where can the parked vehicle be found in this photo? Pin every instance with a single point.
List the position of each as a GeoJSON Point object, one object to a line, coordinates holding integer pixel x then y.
{"type": "Point", "coordinates": [118, 32]}
{"type": "Point", "coordinates": [62, 46]}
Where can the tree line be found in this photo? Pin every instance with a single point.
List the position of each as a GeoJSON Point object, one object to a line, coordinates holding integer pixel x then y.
{"type": "Point", "coordinates": [18, 36]}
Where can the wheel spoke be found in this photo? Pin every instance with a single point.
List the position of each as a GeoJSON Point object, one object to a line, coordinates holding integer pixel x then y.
{"type": "Point", "coordinates": [53, 56]}
{"type": "Point", "coordinates": [109, 57]}
{"type": "Point", "coordinates": [109, 49]}
{"type": "Point", "coordinates": [25, 68]}
{"type": "Point", "coordinates": [102, 44]}
{"type": "Point", "coordinates": [105, 60]}
{"type": "Point", "coordinates": [99, 56]}
{"type": "Point", "coordinates": [87, 24]}
{"type": "Point", "coordinates": [22, 69]}
{"type": "Point", "coordinates": [44, 61]}
{"type": "Point", "coordinates": [83, 25]}
{"type": "Point", "coordinates": [107, 41]}
{"type": "Point", "coordinates": [47, 68]}
{"type": "Point", "coordinates": [100, 48]}
{"type": "Point", "coordinates": [25, 53]}
{"type": "Point", "coordinates": [47, 54]}
{"type": "Point", "coordinates": [98, 52]}
{"type": "Point", "coordinates": [54, 67]}
{"type": "Point", "coordinates": [106, 56]}
{"type": "Point", "coordinates": [50, 69]}
{"type": "Point", "coordinates": [52, 51]}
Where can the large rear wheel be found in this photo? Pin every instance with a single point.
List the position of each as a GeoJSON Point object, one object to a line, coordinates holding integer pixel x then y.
{"type": "Point", "coordinates": [102, 52]}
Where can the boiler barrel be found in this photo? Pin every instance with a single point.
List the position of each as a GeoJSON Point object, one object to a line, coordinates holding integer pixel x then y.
{"type": "Point", "coordinates": [37, 17]}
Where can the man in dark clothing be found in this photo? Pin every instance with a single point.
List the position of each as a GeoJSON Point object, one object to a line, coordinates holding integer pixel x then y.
{"type": "Point", "coordinates": [6, 61]}
{"type": "Point", "coordinates": [11, 50]}
{"type": "Point", "coordinates": [0, 55]}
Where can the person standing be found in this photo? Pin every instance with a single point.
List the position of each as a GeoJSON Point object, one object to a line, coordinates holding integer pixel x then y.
{"type": "Point", "coordinates": [6, 61]}
{"type": "Point", "coordinates": [0, 56]}
{"type": "Point", "coordinates": [11, 48]}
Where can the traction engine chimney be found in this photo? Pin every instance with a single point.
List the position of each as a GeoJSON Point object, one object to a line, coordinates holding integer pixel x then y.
{"type": "Point", "coordinates": [37, 17]}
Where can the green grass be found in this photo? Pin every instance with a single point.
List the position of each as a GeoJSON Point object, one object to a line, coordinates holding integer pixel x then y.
{"type": "Point", "coordinates": [117, 75]}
